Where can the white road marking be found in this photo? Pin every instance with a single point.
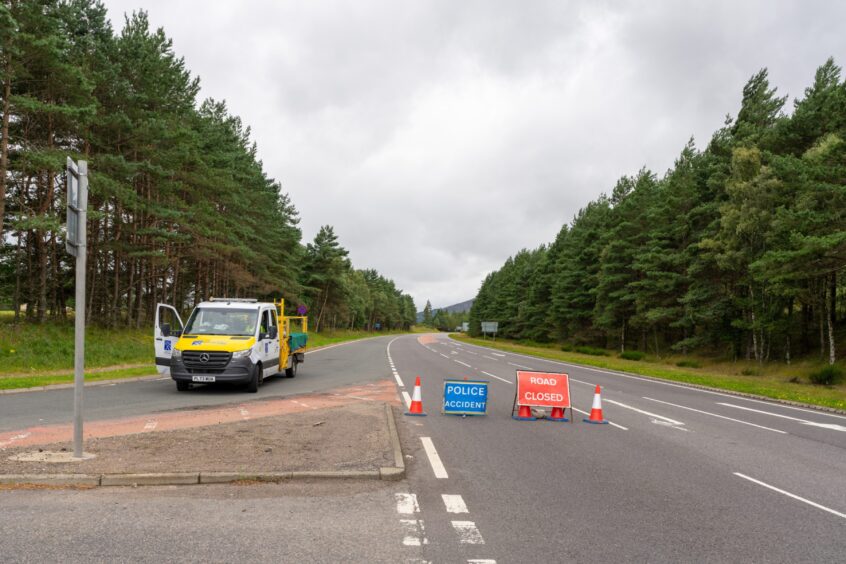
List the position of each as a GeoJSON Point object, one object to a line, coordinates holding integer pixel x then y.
{"type": "Point", "coordinates": [471, 352]}
{"type": "Point", "coordinates": [830, 426]}
{"type": "Point", "coordinates": [443, 355]}
{"type": "Point", "coordinates": [407, 399]}
{"type": "Point", "coordinates": [467, 532]}
{"type": "Point", "coordinates": [165, 378]}
{"type": "Point", "coordinates": [453, 352]}
{"type": "Point", "coordinates": [667, 419]}
{"type": "Point", "coordinates": [583, 382]}
{"type": "Point", "coordinates": [407, 503]}
{"type": "Point", "coordinates": [359, 397]}
{"type": "Point", "coordinates": [246, 414]}
{"type": "Point", "coordinates": [434, 459]}
{"type": "Point", "coordinates": [717, 415]}
{"type": "Point", "coordinates": [482, 561]}
{"type": "Point", "coordinates": [150, 425]}
{"type": "Point", "coordinates": [490, 357]}
{"type": "Point", "coordinates": [609, 422]}
{"type": "Point", "coordinates": [520, 366]}
{"type": "Point", "coordinates": [794, 496]}
{"type": "Point", "coordinates": [454, 503]}
{"type": "Point", "coordinates": [462, 363]}
{"type": "Point", "coordinates": [415, 532]}
{"type": "Point", "coordinates": [497, 377]}
{"type": "Point", "coordinates": [399, 380]}
{"type": "Point", "coordinates": [497, 354]}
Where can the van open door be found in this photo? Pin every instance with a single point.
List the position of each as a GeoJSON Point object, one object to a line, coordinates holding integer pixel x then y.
{"type": "Point", "coordinates": [166, 332]}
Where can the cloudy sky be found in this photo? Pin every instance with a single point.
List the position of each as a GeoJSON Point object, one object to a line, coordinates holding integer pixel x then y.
{"type": "Point", "coordinates": [441, 137]}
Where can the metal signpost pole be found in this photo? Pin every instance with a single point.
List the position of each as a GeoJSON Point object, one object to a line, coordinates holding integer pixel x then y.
{"type": "Point", "coordinates": [78, 205]}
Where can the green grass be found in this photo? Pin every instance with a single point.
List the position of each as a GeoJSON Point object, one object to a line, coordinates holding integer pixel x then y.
{"type": "Point", "coordinates": [40, 355]}
{"type": "Point", "coordinates": [777, 381]}
{"type": "Point", "coordinates": [17, 382]}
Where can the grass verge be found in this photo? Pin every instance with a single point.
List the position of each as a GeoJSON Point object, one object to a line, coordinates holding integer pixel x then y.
{"type": "Point", "coordinates": [772, 384]}
{"type": "Point", "coordinates": [32, 381]}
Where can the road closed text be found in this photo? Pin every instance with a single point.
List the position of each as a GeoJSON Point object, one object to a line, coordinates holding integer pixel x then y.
{"type": "Point", "coordinates": [543, 389]}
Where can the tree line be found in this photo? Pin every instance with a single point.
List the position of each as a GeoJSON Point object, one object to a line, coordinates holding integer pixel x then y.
{"type": "Point", "coordinates": [737, 250]}
{"type": "Point", "coordinates": [180, 207]}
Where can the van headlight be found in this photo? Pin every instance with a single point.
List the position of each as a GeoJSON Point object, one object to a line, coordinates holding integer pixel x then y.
{"type": "Point", "coordinates": [242, 354]}
{"type": "Point", "coordinates": [177, 354]}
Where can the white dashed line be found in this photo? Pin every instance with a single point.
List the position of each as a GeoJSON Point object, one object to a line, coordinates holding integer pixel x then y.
{"type": "Point", "coordinates": [520, 366]}
{"type": "Point", "coordinates": [462, 363]}
{"type": "Point", "coordinates": [454, 503]}
{"type": "Point", "coordinates": [399, 380]}
{"type": "Point", "coordinates": [407, 503]}
{"type": "Point", "coordinates": [443, 355]}
{"type": "Point", "coordinates": [482, 561]}
{"type": "Point", "coordinates": [667, 419]}
{"type": "Point", "coordinates": [716, 415]}
{"type": "Point", "coordinates": [415, 532]}
{"type": "Point", "coordinates": [794, 496]}
{"type": "Point", "coordinates": [434, 459]}
{"type": "Point", "coordinates": [490, 357]}
{"type": "Point", "coordinates": [497, 377]}
{"type": "Point", "coordinates": [467, 532]}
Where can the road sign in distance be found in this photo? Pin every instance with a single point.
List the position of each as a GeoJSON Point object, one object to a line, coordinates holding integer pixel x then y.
{"type": "Point", "coordinates": [543, 389]}
{"type": "Point", "coordinates": [490, 326]}
{"type": "Point", "coordinates": [465, 397]}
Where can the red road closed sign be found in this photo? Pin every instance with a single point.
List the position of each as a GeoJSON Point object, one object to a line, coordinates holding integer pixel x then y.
{"type": "Point", "coordinates": [543, 389]}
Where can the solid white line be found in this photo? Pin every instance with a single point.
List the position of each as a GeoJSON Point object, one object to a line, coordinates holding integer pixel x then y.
{"type": "Point", "coordinates": [666, 383]}
{"type": "Point", "coordinates": [467, 532]}
{"type": "Point", "coordinates": [497, 377]}
{"type": "Point", "coordinates": [462, 363]}
{"type": "Point", "coordinates": [520, 366]}
{"type": "Point", "coordinates": [609, 422]}
{"type": "Point", "coordinates": [454, 503]}
{"type": "Point", "coordinates": [434, 459]}
{"type": "Point", "coordinates": [407, 399]}
{"type": "Point", "coordinates": [794, 496]}
{"type": "Point", "coordinates": [667, 419]}
{"type": "Point", "coordinates": [399, 380]}
{"type": "Point", "coordinates": [717, 415]}
{"type": "Point", "coordinates": [830, 426]}
{"type": "Point", "coordinates": [407, 503]}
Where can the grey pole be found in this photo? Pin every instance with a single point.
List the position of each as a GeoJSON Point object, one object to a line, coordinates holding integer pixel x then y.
{"type": "Point", "coordinates": [79, 314]}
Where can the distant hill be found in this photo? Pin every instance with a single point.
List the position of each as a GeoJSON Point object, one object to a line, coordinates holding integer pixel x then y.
{"type": "Point", "coordinates": [454, 308]}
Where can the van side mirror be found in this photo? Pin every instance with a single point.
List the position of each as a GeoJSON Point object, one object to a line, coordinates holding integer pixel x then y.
{"type": "Point", "coordinates": [274, 332]}
{"type": "Point", "coordinates": [166, 329]}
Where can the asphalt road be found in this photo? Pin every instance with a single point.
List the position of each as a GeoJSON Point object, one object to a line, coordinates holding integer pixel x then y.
{"type": "Point", "coordinates": [682, 475]}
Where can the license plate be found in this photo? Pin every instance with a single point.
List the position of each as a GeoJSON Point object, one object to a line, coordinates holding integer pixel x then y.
{"type": "Point", "coordinates": [202, 378]}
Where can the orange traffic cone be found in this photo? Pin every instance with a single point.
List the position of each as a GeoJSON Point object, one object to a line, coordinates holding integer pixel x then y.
{"type": "Point", "coordinates": [416, 401]}
{"type": "Point", "coordinates": [596, 409]}
{"type": "Point", "coordinates": [525, 414]}
{"type": "Point", "coordinates": [557, 414]}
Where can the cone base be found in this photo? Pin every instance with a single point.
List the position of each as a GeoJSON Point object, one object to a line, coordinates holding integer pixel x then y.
{"type": "Point", "coordinates": [518, 418]}
{"type": "Point", "coordinates": [557, 419]}
{"type": "Point", "coordinates": [603, 422]}
{"type": "Point", "coordinates": [416, 414]}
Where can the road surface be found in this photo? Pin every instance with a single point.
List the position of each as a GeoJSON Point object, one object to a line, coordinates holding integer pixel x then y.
{"type": "Point", "coordinates": [681, 474]}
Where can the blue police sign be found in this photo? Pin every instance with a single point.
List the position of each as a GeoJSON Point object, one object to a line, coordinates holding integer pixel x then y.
{"type": "Point", "coordinates": [465, 397]}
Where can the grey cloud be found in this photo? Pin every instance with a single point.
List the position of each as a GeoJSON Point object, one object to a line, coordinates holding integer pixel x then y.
{"type": "Point", "coordinates": [441, 137]}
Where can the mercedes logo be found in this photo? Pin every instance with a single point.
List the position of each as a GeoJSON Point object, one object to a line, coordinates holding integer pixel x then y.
{"type": "Point", "coordinates": [204, 357]}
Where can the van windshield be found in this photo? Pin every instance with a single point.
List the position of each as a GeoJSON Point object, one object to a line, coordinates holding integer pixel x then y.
{"type": "Point", "coordinates": [222, 321]}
